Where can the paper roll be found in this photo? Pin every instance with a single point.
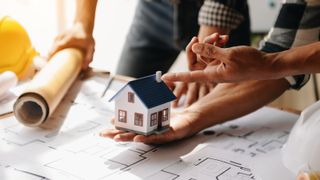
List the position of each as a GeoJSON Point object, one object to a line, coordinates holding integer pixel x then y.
{"type": "Point", "coordinates": [48, 87]}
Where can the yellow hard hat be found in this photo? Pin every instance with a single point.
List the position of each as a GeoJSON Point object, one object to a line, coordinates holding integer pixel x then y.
{"type": "Point", "coordinates": [16, 50]}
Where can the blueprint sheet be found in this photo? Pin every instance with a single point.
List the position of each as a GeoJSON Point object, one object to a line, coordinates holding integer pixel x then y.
{"type": "Point", "coordinates": [74, 151]}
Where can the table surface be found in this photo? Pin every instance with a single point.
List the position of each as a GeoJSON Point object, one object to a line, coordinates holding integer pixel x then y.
{"type": "Point", "coordinates": [85, 75]}
{"type": "Point", "coordinates": [223, 135]}
{"type": "Point", "coordinates": [126, 79]}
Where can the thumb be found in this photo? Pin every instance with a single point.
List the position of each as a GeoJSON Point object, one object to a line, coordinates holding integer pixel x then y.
{"type": "Point", "coordinates": [223, 39]}
{"type": "Point", "coordinates": [88, 58]}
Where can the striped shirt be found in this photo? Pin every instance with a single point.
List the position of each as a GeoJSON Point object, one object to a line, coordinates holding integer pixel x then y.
{"type": "Point", "coordinates": [298, 24]}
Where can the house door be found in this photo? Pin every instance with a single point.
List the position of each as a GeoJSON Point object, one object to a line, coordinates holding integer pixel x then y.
{"type": "Point", "coordinates": [160, 113]}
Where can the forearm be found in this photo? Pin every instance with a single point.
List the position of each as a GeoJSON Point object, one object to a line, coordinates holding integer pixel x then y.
{"type": "Point", "coordinates": [299, 60]}
{"type": "Point", "coordinates": [85, 14]}
{"type": "Point", "coordinates": [229, 101]}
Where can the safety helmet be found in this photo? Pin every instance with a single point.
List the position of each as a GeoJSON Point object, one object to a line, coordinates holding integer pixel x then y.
{"type": "Point", "coordinates": [16, 50]}
{"type": "Point", "coordinates": [301, 152]}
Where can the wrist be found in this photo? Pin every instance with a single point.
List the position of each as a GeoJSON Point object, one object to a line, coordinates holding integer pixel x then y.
{"type": "Point", "coordinates": [203, 118]}
{"type": "Point", "coordinates": [276, 67]}
{"type": "Point", "coordinates": [83, 27]}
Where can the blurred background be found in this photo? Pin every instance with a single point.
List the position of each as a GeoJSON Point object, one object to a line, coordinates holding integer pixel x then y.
{"type": "Point", "coordinates": [44, 19]}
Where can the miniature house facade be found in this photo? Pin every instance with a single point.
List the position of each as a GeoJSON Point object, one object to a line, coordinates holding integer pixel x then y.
{"type": "Point", "coordinates": [143, 106]}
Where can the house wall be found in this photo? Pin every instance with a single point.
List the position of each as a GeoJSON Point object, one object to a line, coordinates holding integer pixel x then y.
{"type": "Point", "coordinates": [157, 109]}
{"type": "Point", "coordinates": [121, 102]}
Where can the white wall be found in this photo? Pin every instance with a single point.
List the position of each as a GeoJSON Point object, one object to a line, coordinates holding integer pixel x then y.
{"type": "Point", "coordinates": [112, 24]}
{"type": "Point", "coordinates": [40, 18]}
{"type": "Point", "coordinates": [263, 14]}
{"type": "Point", "coordinates": [113, 18]}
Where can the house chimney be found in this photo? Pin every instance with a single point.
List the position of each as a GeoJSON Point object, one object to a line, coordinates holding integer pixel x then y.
{"type": "Point", "coordinates": [158, 76]}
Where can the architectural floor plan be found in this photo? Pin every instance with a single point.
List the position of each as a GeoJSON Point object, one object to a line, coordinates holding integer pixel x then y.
{"type": "Point", "coordinates": [75, 151]}
{"type": "Point", "coordinates": [207, 163]}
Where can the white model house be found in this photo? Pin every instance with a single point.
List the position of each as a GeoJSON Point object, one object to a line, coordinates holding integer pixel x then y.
{"type": "Point", "coordinates": [143, 105]}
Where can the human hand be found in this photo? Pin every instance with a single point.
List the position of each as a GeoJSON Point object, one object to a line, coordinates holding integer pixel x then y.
{"type": "Point", "coordinates": [192, 91]}
{"type": "Point", "coordinates": [195, 91]}
{"type": "Point", "coordinates": [76, 37]}
{"type": "Point", "coordinates": [182, 125]}
{"type": "Point", "coordinates": [226, 65]}
{"type": "Point", "coordinates": [199, 61]}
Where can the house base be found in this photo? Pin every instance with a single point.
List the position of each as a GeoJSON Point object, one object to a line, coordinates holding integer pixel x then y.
{"type": "Point", "coordinates": [156, 131]}
{"type": "Point", "coordinates": [162, 130]}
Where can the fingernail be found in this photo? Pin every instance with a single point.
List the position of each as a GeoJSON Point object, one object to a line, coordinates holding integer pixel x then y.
{"type": "Point", "coordinates": [163, 77]}
{"type": "Point", "coordinates": [223, 37]}
{"type": "Point", "coordinates": [117, 139]}
{"type": "Point", "coordinates": [137, 140]}
{"type": "Point", "coordinates": [197, 48]}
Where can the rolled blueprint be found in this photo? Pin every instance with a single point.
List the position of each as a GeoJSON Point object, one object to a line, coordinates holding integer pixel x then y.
{"type": "Point", "coordinates": [48, 87]}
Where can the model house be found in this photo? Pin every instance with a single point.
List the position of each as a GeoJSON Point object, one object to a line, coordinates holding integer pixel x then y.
{"type": "Point", "coordinates": [143, 105]}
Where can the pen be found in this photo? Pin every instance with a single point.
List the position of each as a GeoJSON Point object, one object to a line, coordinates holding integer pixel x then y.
{"type": "Point", "coordinates": [108, 84]}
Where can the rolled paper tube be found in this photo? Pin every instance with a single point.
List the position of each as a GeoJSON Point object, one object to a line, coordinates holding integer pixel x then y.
{"type": "Point", "coordinates": [46, 90]}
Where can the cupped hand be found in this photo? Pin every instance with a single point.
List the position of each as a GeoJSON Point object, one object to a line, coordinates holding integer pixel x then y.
{"type": "Point", "coordinates": [192, 91]}
{"type": "Point", "coordinates": [75, 37]}
{"type": "Point", "coordinates": [196, 90]}
{"type": "Point", "coordinates": [182, 125]}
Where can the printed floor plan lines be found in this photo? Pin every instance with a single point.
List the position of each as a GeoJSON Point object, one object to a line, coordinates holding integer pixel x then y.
{"type": "Point", "coordinates": [75, 151]}
{"type": "Point", "coordinates": [132, 157]}
{"type": "Point", "coordinates": [8, 173]}
{"type": "Point", "coordinates": [206, 163]}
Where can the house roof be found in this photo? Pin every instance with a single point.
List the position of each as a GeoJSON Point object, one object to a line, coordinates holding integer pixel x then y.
{"type": "Point", "coordinates": [150, 91]}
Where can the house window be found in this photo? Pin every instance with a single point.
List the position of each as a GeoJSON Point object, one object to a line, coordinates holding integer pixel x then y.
{"type": "Point", "coordinates": [165, 113]}
{"type": "Point", "coordinates": [153, 119]}
{"type": "Point", "coordinates": [122, 116]}
{"type": "Point", "coordinates": [130, 97]}
{"type": "Point", "coordinates": [138, 119]}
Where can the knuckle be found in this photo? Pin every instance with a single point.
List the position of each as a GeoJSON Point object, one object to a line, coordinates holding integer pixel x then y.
{"type": "Point", "coordinates": [209, 51]}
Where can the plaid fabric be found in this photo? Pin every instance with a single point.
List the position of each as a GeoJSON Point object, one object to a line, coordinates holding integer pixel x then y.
{"type": "Point", "coordinates": [298, 24]}
{"type": "Point", "coordinates": [221, 13]}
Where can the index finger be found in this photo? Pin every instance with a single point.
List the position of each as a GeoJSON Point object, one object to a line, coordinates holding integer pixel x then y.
{"type": "Point", "coordinates": [193, 76]}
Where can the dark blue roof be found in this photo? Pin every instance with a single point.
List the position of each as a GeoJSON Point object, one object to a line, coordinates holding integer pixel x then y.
{"type": "Point", "coordinates": [150, 91]}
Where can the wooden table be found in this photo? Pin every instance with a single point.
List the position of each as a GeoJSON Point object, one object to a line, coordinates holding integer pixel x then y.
{"type": "Point", "coordinates": [87, 75]}
{"type": "Point", "coordinates": [126, 79]}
